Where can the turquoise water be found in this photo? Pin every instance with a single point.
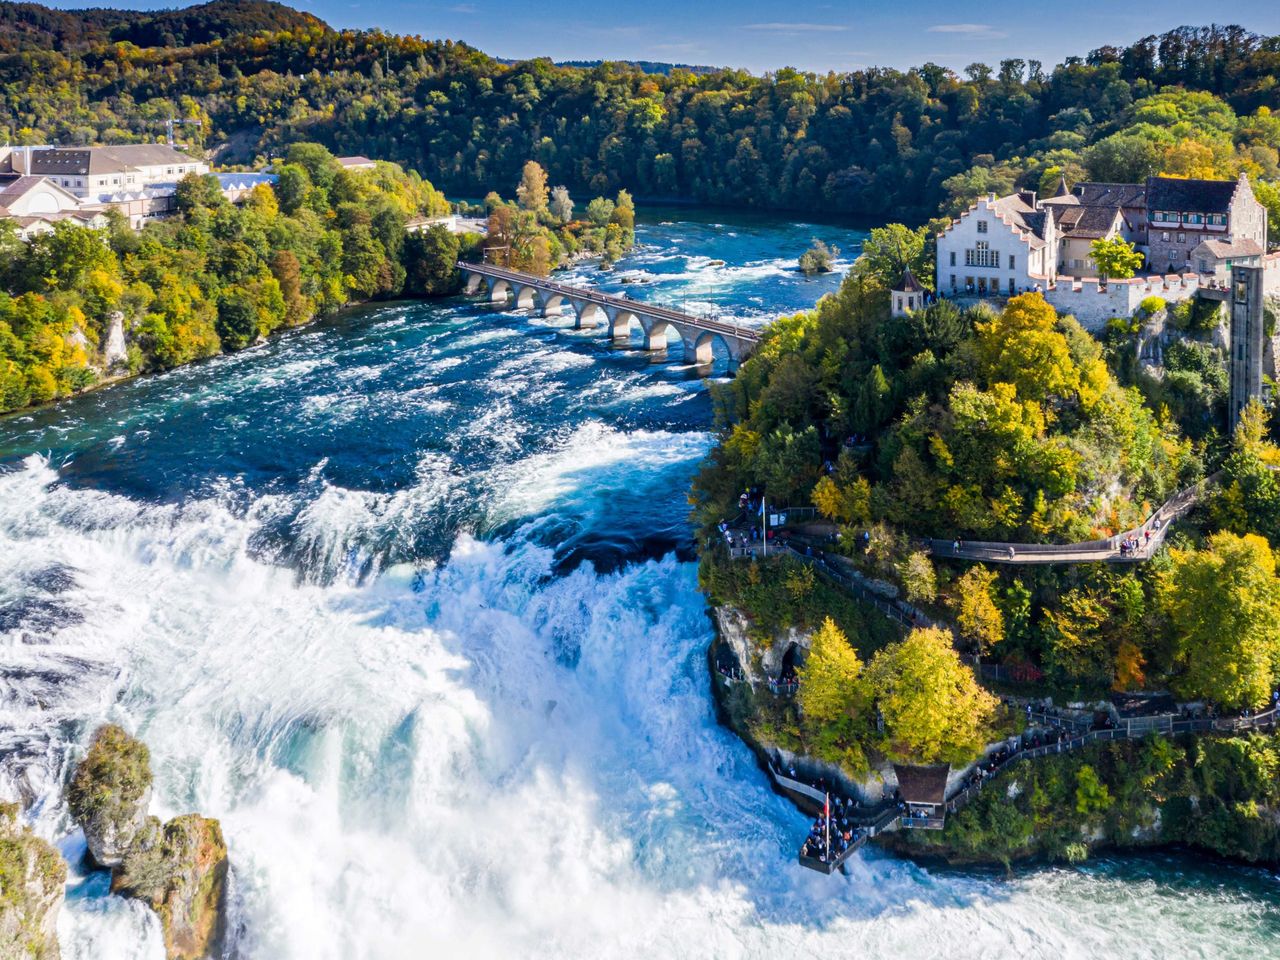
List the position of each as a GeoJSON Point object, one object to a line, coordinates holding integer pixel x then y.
{"type": "Point", "coordinates": [404, 599]}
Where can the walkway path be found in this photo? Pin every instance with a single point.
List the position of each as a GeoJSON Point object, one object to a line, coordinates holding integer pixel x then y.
{"type": "Point", "coordinates": [1141, 542]}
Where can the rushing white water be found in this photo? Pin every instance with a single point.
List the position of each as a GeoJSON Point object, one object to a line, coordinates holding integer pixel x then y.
{"type": "Point", "coordinates": [424, 731]}
{"type": "Point", "coordinates": [487, 760]}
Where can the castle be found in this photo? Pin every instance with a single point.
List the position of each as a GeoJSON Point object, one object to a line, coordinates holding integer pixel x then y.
{"type": "Point", "coordinates": [1190, 233]}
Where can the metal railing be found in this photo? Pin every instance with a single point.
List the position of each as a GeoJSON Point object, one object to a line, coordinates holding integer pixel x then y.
{"type": "Point", "coordinates": [1133, 728]}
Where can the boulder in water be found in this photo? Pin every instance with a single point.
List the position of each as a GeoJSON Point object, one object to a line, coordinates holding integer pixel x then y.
{"type": "Point", "coordinates": [109, 793]}
{"type": "Point", "coordinates": [32, 875]}
{"type": "Point", "coordinates": [180, 871]}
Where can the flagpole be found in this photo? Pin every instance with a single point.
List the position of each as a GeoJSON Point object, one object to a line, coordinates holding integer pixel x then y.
{"type": "Point", "coordinates": [826, 809]}
{"type": "Point", "coordinates": [764, 522]}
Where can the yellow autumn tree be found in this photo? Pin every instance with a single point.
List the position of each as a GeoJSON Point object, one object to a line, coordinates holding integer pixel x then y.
{"type": "Point", "coordinates": [933, 709]}
{"type": "Point", "coordinates": [977, 615]}
{"type": "Point", "coordinates": [1022, 346]}
{"type": "Point", "coordinates": [832, 699]}
{"type": "Point", "coordinates": [846, 503]}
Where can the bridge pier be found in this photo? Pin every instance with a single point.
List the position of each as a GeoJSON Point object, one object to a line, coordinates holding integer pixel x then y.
{"type": "Point", "coordinates": [499, 290]}
{"type": "Point", "coordinates": [655, 334]}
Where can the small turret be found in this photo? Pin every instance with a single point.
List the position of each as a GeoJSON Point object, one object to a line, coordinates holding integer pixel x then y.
{"type": "Point", "coordinates": [907, 296]}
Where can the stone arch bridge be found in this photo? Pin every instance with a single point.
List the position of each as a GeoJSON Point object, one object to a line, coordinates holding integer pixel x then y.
{"type": "Point", "coordinates": [591, 308]}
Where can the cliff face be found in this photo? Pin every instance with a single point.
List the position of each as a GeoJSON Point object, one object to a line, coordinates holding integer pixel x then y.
{"type": "Point", "coordinates": [32, 875]}
{"type": "Point", "coordinates": [178, 868]}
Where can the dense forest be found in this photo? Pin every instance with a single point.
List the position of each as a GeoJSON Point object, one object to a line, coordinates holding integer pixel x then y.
{"type": "Point", "coordinates": [878, 143]}
{"type": "Point", "coordinates": [216, 277]}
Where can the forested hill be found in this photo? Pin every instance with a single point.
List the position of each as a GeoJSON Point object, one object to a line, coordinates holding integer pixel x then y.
{"type": "Point", "coordinates": [880, 143]}
{"type": "Point", "coordinates": [30, 26]}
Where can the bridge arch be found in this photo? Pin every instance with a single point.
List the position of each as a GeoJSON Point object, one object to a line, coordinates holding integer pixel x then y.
{"type": "Point", "coordinates": [474, 282]}
{"type": "Point", "coordinates": [552, 304]}
{"type": "Point", "coordinates": [704, 348]}
{"type": "Point", "coordinates": [526, 298]}
{"type": "Point", "coordinates": [620, 322]}
{"type": "Point", "coordinates": [499, 290]}
{"type": "Point", "coordinates": [655, 333]}
{"type": "Point", "coordinates": [588, 314]}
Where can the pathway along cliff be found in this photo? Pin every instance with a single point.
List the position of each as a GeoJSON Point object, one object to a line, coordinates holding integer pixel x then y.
{"type": "Point", "coordinates": [404, 601]}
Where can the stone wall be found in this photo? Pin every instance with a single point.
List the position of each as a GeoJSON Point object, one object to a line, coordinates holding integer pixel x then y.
{"type": "Point", "coordinates": [1093, 303]}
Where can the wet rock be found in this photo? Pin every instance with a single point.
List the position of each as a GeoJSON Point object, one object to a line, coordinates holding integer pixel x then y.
{"type": "Point", "coordinates": [180, 871]}
{"type": "Point", "coordinates": [32, 875]}
{"type": "Point", "coordinates": [109, 793]}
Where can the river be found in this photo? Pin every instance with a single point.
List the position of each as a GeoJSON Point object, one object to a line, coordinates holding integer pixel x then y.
{"type": "Point", "coordinates": [405, 599]}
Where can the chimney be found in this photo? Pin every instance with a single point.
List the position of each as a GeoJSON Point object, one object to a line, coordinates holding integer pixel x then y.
{"type": "Point", "coordinates": [1028, 197]}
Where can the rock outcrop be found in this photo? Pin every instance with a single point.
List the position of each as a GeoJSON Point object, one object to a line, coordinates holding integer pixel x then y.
{"type": "Point", "coordinates": [180, 870]}
{"type": "Point", "coordinates": [109, 793]}
{"type": "Point", "coordinates": [32, 875]}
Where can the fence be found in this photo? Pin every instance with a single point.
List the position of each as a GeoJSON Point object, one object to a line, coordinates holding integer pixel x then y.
{"type": "Point", "coordinates": [1133, 728]}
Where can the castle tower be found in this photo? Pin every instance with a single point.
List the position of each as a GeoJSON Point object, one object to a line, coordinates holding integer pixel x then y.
{"type": "Point", "coordinates": [906, 296]}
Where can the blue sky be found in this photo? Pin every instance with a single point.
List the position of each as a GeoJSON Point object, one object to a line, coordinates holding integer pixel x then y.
{"type": "Point", "coordinates": [765, 34]}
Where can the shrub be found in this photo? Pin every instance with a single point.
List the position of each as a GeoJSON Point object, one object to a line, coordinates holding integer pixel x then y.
{"type": "Point", "coordinates": [1152, 305]}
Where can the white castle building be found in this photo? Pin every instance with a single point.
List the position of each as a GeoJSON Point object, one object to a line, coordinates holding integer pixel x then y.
{"type": "Point", "coordinates": [1190, 233]}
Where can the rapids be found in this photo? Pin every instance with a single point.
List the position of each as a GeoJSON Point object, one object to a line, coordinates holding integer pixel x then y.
{"type": "Point", "coordinates": [406, 600]}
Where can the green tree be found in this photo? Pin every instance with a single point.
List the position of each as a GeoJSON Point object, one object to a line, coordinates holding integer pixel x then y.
{"type": "Point", "coordinates": [889, 250]}
{"type": "Point", "coordinates": [600, 211]}
{"type": "Point", "coordinates": [832, 699]}
{"type": "Point", "coordinates": [933, 709]}
{"type": "Point", "coordinates": [919, 581]}
{"type": "Point", "coordinates": [1223, 608]}
{"type": "Point", "coordinates": [237, 319]}
{"type": "Point", "coordinates": [1115, 258]}
{"type": "Point", "coordinates": [1022, 346]}
{"type": "Point", "coordinates": [431, 258]}
{"type": "Point", "coordinates": [1092, 795]}
{"type": "Point", "coordinates": [831, 689]}
{"type": "Point", "coordinates": [818, 258]}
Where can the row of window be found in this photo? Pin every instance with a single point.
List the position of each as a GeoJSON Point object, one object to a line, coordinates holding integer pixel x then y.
{"type": "Point", "coordinates": [983, 256]}
{"type": "Point", "coordinates": [1173, 216]}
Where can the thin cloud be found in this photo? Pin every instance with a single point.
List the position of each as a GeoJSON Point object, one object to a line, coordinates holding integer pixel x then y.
{"type": "Point", "coordinates": [796, 27]}
{"type": "Point", "coordinates": [982, 31]}
{"type": "Point", "coordinates": [463, 8]}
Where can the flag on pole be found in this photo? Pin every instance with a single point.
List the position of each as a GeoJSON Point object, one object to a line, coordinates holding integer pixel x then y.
{"type": "Point", "coordinates": [826, 816]}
